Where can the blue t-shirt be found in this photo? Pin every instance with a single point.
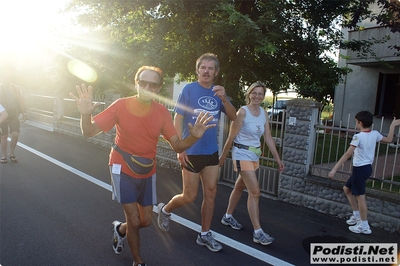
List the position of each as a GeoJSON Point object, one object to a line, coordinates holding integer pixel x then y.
{"type": "Point", "coordinates": [191, 101]}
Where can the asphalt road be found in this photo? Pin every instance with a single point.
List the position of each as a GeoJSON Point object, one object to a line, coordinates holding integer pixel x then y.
{"type": "Point", "coordinates": [56, 209]}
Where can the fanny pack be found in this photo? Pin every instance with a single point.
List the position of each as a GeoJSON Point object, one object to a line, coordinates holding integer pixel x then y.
{"type": "Point", "coordinates": [256, 150]}
{"type": "Point", "coordinates": [138, 165]}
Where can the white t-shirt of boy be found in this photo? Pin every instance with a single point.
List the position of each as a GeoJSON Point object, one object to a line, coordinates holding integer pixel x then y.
{"type": "Point", "coordinates": [365, 143]}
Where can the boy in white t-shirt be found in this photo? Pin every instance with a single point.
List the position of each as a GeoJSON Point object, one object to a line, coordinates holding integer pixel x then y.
{"type": "Point", "coordinates": [3, 114]}
{"type": "Point", "coordinates": [362, 147]}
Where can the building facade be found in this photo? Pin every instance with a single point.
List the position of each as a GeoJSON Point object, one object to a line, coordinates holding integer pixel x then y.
{"type": "Point", "coordinates": [374, 83]}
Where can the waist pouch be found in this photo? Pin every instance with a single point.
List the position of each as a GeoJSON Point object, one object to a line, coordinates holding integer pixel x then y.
{"type": "Point", "coordinates": [256, 150]}
{"type": "Point", "coordinates": [138, 165]}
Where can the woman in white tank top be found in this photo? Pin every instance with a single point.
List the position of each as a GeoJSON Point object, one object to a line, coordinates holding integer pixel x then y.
{"type": "Point", "coordinates": [244, 135]}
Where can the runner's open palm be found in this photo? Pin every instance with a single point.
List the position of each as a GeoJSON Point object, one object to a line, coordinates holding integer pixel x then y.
{"type": "Point", "coordinates": [85, 100]}
{"type": "Point", "coordinates": [200, 125]}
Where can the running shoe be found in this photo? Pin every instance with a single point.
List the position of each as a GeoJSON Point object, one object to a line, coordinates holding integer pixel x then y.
{"type": "Point", "coordinates": [208, 241]}
{"type": "Point", "coordinates": [118, 241]}
{"type": "Point", "coordinates": [163, 219]}
{"type": "Point", "coordinates": [262, 238]}
{"type": "Point", "coordinates": [140, 264]}
{"type": "Point", "coordinates": [359, 229]}
{"type": "Point", "coordinates": [353, 220]}
{"type": "Point", "coordinates": [232, 222]}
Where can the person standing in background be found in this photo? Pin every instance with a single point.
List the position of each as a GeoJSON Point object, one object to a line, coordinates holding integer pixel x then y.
{"type": "Point", "coordinates": [3, 115]}
{"type": "Point", "coordinates": [11, 99]}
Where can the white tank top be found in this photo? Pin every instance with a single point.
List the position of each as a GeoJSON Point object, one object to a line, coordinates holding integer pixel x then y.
{"type": "Point", "coordinates": [249, 135]}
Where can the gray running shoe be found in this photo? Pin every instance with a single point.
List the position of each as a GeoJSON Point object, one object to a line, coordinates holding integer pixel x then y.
{"type": "Point", "coordinates": [232, 222]}
{"type": "Point", "coordinates": [353, 220]}
{"type": "Point", "coordinates": [262, 238]}
{"type": "Point", "coordinates": [208, 241]}
{"type": "Point", "coordinates": [118, 241]}
{"type": "Point", "coordinates": [163, 219]}
{"type": "Point", "coordinates": [358, 229]}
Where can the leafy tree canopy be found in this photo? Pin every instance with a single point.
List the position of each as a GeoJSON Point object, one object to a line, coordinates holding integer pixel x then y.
{"type": "Point", "coordinates": [283, 43]}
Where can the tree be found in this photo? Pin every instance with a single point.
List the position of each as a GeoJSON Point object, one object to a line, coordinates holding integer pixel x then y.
{"type": "Point", "coordinates": [280, 42]}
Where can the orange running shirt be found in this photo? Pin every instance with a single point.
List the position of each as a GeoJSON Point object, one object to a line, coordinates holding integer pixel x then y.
{"type": "Point", "coordinates": [138, 127]}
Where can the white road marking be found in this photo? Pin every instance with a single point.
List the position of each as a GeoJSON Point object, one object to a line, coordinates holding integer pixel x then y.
{"type": "Point", "coordinates": [67, 167]}
{"type": "Point", "coordinates": [189, 224]}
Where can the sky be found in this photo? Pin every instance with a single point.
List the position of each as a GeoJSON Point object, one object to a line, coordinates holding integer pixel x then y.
{"type": "Point", "coordinates": [24, 22]}
{"type": "Point", "coordinates": [33, 32]}
{"type": "Point", "coordinates": [27, 26]}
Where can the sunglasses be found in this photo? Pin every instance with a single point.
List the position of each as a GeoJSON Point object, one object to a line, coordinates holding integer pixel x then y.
{"type": "Point", "coordinates": [152, 85]}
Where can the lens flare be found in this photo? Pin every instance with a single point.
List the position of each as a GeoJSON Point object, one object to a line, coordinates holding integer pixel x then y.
{"type": "Point", "coordinates": [82, 70]}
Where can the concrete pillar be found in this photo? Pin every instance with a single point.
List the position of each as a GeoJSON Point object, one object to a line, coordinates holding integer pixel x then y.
{"type": "Point", "coordinates": [298, 149]}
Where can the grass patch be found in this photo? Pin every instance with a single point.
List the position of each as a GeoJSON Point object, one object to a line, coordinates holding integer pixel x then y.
{"type": "Point", "coordinates": [330, 148]}
{"type": "Point", "coordinates": [385, 186]}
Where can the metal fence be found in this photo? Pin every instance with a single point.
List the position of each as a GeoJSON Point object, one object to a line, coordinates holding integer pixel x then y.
{"type": "Point", "coordinates": [69, 110]}
{"type": "Point", "coordinates": [44, 107]}
{"type": "Point", "coordinates": [333, 141]}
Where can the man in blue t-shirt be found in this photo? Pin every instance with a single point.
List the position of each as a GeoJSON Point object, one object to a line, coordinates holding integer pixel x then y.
{"type": "Point", "coordinates": [200, 162]}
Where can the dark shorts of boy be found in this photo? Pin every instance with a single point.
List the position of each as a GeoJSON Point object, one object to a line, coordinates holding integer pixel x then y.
{"type": "Point", "coordinates": [358, 178]}
{"type": "Point", "coordinates": [12, 123]}
{"type": "Point", "coordinates": [127, 189]}
{"type": "Point", "coordinates": [196, 163]}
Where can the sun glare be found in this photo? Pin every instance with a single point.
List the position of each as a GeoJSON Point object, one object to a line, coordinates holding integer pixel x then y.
{"type": "Point", "coordinates": [28, 28]}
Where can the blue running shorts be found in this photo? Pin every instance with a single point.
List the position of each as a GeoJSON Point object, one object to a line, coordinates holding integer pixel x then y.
{"type": "Point", "coordinates": [127, 189]}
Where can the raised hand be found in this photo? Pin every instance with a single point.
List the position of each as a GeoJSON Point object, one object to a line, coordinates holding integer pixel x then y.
{"type": "Point", "coordinates": [396, 122]}
{"type": "Point", "coordinates": [85, 100]}
{"type": "Point", "coordinates": [220, 92]}
{"type": "Point", "coordinates": [201, 125]}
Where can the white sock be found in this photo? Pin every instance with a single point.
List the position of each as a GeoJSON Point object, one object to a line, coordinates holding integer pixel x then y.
{"type": "Point", "coordinates": [204, 233]}
{"type": "Point", "coordinates": [167, 213]}
{"type": "Point", "coordinates": [356, 214]}
{"type": "Point", "coordinates": [228, 215]}
{"type": "Point", "coordinates": [364, 224]}
{"type": "Point", "coordinates": [258, 231]}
